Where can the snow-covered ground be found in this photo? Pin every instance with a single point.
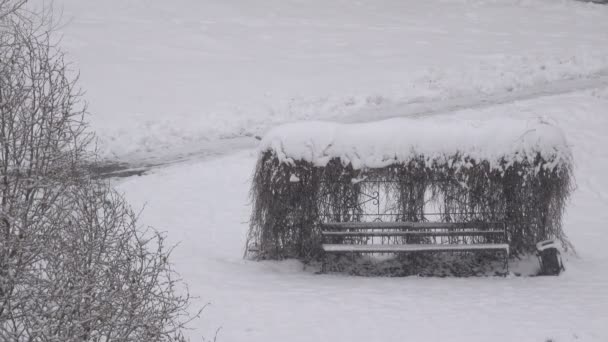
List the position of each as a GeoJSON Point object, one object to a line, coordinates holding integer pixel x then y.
{"type": "Point", "coordinates": [162, 75]}
{"type": "Point", "coordinates": [204, 206]}
{"type": "Point", "coordinates": [170, 76]}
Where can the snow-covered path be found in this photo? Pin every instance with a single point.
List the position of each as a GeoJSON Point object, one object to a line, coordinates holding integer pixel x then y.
{"type": "Point", "coordinates": [438, 107]}
{"type": "Point", "coordinates": [202, 150]}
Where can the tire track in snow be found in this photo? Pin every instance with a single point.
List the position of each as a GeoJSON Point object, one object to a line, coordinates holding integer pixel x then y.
{"type": "Point", "coordinates": [139, 165]}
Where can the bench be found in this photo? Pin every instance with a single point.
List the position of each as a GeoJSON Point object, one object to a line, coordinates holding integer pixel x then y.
{"type": "Point", "coordinates": [414, 237]}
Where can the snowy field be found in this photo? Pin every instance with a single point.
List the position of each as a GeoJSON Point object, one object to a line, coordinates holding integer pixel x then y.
{"type": "Point", "coordinates": [165, 75]}
{"type": "Point", "coordinates": [170, 76]}
{"type": "Point", "coordinates": [204, 205]}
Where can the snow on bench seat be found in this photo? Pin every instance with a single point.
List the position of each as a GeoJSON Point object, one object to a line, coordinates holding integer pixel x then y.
{"type": "Point", "coordinates": [338, 248]}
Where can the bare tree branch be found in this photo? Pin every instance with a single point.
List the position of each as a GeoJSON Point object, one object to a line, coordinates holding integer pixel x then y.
{"type": "Point", "coordinates": [74, 264]}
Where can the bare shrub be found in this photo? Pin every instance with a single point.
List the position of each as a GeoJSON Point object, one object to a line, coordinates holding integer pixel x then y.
{"type": "Point", "coordinates": [103, 279]}
{"type": "Point", "coordinates": [74, 265]}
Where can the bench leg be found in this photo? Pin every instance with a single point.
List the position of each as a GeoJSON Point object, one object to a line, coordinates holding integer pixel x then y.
{"type": "Point", "coordinates": [507, 263]}
{"type": "Point", "coordinates": [324, 264]}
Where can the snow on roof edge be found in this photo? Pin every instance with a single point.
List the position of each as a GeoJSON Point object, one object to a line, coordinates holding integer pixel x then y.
{"type": "Point", "coordinates": [394, 141]}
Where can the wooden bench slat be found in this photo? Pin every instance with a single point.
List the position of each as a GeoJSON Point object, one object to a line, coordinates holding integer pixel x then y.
{"type": "Point", "coordinates": [408, 225]}
{"type": "Point", "coordinates": [333, 248]}
{"type": "Point", "coordinates": [415, 233]}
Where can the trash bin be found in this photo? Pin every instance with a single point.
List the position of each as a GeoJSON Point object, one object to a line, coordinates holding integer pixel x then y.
{"type": "Point", "coordinates": [549, 258]}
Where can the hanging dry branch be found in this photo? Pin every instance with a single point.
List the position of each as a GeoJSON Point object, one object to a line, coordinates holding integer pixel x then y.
{"type": "Point", "coordinates": [527, 195]}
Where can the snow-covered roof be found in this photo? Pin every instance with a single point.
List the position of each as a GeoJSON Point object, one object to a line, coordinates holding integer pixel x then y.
{"type": "Point", "coordinates": [382, 143]}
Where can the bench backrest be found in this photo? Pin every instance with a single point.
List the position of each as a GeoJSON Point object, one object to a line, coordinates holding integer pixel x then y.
{"type": "Point", "coordinates": [413, 225]}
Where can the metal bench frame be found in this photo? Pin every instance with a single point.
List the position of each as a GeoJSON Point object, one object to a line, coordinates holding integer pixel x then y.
{"type": "Point", "coordinates": [336, 233]}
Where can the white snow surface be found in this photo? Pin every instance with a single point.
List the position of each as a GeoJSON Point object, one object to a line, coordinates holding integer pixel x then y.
{"type": "Point", "coordinates": [204, 206]}
{"type": "Point", "coordinates": [542, 245]}
{"type": "Point", "coordinates": [394, 141]}
{"type": "Point", "coordinates": [163, 75]}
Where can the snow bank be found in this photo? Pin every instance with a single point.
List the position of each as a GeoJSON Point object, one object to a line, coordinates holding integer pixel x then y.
{"type": "Point", "coordinates": [395, 141]}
